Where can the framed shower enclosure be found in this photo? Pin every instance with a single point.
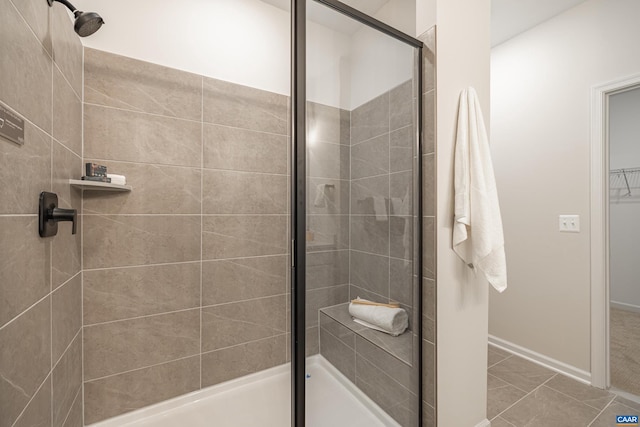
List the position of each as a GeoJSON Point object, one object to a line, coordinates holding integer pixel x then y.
{"type": "Point", "coordinates": [355, 206]}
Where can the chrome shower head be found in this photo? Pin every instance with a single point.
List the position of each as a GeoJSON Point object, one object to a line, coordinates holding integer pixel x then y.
{"type": "Point", "coordinates": [86, 23]}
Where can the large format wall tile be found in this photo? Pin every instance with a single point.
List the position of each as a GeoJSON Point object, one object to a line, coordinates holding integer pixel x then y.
{"type": "Point", "coordinates": [75, 416]}
{"type": "Point", "coordinates": [243, 107]}
{"type": "Point", "coordinates": [329, 231]}
{"type": "Point", "coordinates": [66, 47]}
{"type": "Point", "coordinates": [117, 241]}
{"type": "Point", "coordinates": [325, 269]}
{"type": "Point", "coordinates": [370, 158]}
{"type": "Point", "coordinates": [402, 149]}
{"type": "Point", "coordinates": [338, 354]}
{"type": "Point", "coordinates": [233, 362]}
{"type": "Point", "coordinates": [126, 83]}
{"type": "Point", "coordinates": [324, 297]}
{"type": "Point", "coordinates": [231, 324]}
{"type": "Point", "coordinates": [24, 265]}
{"type": "Point", "coordinates": [429, 120]}
{"type": "Point", "coordinates": [38, 412]}
{"type": "Point", "coordinates": [370, 272]}
{"type": "Point", "coordinates": [66, 315]}
{"type": "Point", "coordinates": [370, 119]}
{"type": "Point", "coordinates": [368, 234]}
{"type": "Point", "coordinates": [363, 192]}
{"type": "Point", "coordinates": [140, 137]}
{"type": "Point", "coordinates": [328, 196]}
{"type": "Point", "coordinates": [156, 190]}
{"type": "Point", "coordinates": [21, 197]}
{"type": "Point", "coordinates": [227, 192]}
{"type": "Point", "coordinates": [401, 105]}
{"type": "Point", "coordinates": [67, 114]}
{"type": "Point", "coordinates": [66, 246]}
{"type": "Point", "coordinates": [383, 389]}
{"type": "Point", "coordinates": [240, 279]}
{"type": "Point", "coordinates": [126, 392]}
{"type": "Point", "coordinates": [123, 293]}
{"type": "Point", "coordinates": [237, 149]}
{"type": "Point", "coordinates": [36, 13]}
{"type": "Point", "coordinates": [243, 236]}
{"type": "Point", "coordinates": [111, 348]}
{"type": "Point", "coordinates": [67, 379]}
{"type": "Point", "coordinates": [328, 124]}
{"type": "Point", "coordinates": [27, 92]}
{"type": "Point", "coordinates": [25, 359]}
{"type": "Point", "coordinates": [328, 160]}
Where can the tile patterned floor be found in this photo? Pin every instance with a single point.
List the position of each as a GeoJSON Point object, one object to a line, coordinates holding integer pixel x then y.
{"type": "Point", "coordinates": [524, 394]}
{"type": "Point", "coordinates": [625, 350]}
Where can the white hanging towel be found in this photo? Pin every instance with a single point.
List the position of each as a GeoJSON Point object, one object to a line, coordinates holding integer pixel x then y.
{"type": "Point", "coordinates": [477, 230]}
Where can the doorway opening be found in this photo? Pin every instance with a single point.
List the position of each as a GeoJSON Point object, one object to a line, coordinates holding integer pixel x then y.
{"type": "Point", "coordinates": [615, 181]}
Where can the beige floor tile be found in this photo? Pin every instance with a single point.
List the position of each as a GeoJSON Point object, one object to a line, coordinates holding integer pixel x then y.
{"type": "Point", "coordinates": [495, 355]}
{"type": "Point", "coordinates": [521, 373]}
{"type": "Point", "coordinates": [546, 407]}
{"type": "Point", "coordinates": [607, 417]}
{"type": "Point", "coordinates": [591, 396]}
{"type": "Point", "coordinates": [625, 350]}
{"type": "Point", "coordinates": [500, 396]}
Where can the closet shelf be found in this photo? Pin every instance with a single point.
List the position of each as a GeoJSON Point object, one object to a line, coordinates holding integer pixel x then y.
{"type": "Point", "coordinates": [98, 186]}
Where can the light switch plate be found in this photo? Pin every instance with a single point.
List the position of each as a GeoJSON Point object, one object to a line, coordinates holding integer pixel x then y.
{"type": "Point", "coordinates": [569, 223]}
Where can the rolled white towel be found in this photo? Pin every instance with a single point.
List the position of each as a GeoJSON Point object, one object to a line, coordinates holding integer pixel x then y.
{"type": "Point", "coordinates": [117, 179]}
{"type": "Point", "coordinates": [393, 321]}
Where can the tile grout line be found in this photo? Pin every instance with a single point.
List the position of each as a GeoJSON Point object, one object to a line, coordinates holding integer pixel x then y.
{"type": "Point", "coordinates": [183, 358]}
{"type": "Point", "coordinates": [202, 142]}
{"type": "Point", "coordinates": [50, 242]}
{"type": "Point", "coordinates": [523, 397]}
{"type": "Point", "coordinates": [201, 121]}
{"type": "Point", "coordinates": [78, 392]}
{"type": "Point", "coordinates": [183, 310]}
{"type": "Point", "coordinates": [601, 412]}
{"type": "Point", "coordinates": [128, 371]}
{"type": "Point", "coordinates": [33, 397]}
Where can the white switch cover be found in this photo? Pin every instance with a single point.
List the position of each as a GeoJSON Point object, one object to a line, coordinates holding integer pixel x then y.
{"type": "Point", "coordinates": [570, 223]}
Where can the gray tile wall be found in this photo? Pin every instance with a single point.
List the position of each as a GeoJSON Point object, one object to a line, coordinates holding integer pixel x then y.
{"type": "Point", "coordinates": [329, 164]}
{"type": "Point", "coordinates": [185, 277]}
{"type": "Point", "coordinates": [381, 234]}
{"type": "Point", "coordinates": [388, 381]}
{"type": "Point", "coordinates": [40, 279]}
{"type": "Point", "coordinates": [429, 349]}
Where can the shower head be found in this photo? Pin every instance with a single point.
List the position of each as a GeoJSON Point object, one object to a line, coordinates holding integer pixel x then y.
{"type": "Point", "coordinates": [87, 23]}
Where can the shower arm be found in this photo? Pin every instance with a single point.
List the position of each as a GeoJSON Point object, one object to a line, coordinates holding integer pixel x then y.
{"type": "Point", "coordinates": [71, 7]}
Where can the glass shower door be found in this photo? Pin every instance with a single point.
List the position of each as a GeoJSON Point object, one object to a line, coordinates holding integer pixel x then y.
{"type": "Point", "coordinates": [362, 359]}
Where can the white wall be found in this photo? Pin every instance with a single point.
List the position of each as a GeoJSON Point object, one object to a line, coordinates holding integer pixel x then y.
{"type": "Point", "coordinates": [463, 52]}
{"type": "Point", "coordinates": [242, 41]}
{"type": "Point", "coordinates": [379, 63]}
{"type": "Point", "coordinates": [624, 152]}
{"type": "Point", "coordinates": [248, 42]}
{"type": "Point", "coordinates": [540, 125]}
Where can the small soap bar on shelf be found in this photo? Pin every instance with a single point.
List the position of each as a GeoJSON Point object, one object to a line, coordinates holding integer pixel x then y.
{"type": "Point", "coordinates": [94, 169]}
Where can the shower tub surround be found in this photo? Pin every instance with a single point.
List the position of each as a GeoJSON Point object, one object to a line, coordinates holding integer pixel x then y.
{"type": "Point", "coordinates": [185, 278]}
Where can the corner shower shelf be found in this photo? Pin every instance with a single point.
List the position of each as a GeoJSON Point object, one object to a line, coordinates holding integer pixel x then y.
{"type": "Point", "coordinates": [98, 186]}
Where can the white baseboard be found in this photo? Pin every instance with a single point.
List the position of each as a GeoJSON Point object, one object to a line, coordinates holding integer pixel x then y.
{"type": "Point", "coordinates": [625, 307]}
{"type": "Point", "coordinates": [484, 423]}
{"type": "Point", "coordinates": [541, 359]}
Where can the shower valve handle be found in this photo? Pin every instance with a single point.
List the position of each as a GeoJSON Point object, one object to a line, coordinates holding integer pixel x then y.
{"type": "Point", "coordinates": [50, 214]}
{"type": "Point", "coordinates": [58, 214]}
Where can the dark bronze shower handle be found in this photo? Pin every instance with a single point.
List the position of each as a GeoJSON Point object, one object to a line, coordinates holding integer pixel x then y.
{"type": "Point", "coordinates": [58, 214]}
{"type": "Point", "coordinates": [50, 214]}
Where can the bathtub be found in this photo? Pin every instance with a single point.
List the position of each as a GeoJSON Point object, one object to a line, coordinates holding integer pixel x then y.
{"type": "Point", "coordinates": [263, 399]}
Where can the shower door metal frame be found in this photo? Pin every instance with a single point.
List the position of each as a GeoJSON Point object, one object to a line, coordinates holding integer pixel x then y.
{"type": "Point", "coordinates": [298, 192]}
